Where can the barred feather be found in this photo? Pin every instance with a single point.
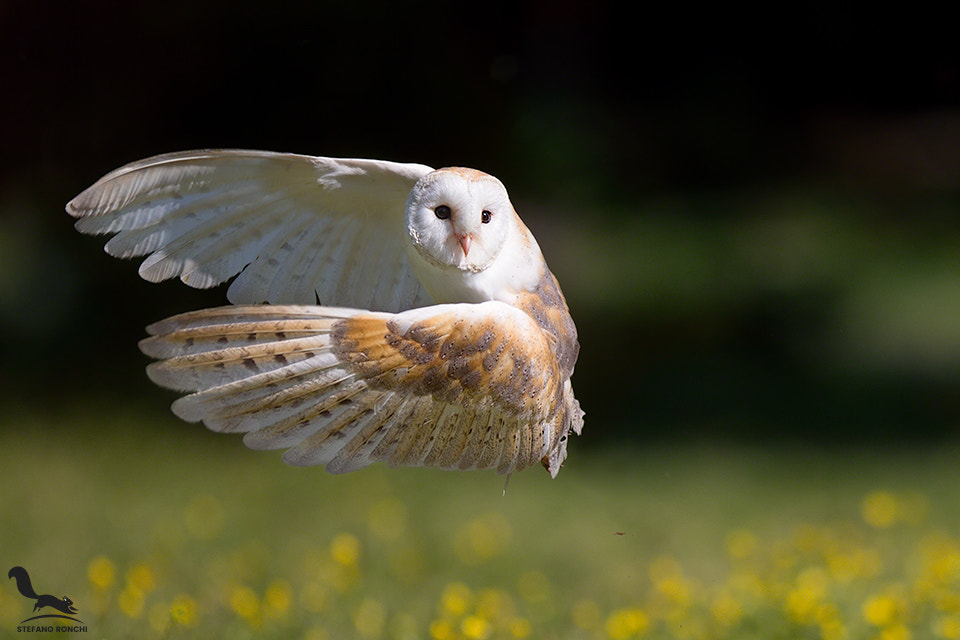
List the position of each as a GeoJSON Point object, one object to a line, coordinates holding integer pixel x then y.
{"type": "Point", "coordinates": [449, 386]}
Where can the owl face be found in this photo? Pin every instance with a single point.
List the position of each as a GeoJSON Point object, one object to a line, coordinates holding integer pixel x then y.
{"type": "Point", "coordinates": [459, 218]}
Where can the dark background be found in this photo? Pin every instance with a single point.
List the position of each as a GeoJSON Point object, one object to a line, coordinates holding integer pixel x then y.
{"type": "Point", "coordinates": [753, 211]}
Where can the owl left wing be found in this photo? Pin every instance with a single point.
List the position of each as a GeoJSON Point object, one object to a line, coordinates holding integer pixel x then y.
{"type": "Point", "coordinates": [296, 228]}
{"type": "Point", "coordinates": [461, 386]}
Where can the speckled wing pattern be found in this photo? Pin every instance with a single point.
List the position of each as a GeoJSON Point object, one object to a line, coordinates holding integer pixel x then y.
{"type": "Point", "coordinates": [297, 229]}
{"type": "Point", "coordinates": [458, 386]}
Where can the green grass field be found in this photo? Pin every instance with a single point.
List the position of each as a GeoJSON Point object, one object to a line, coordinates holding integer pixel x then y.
{"type": "Point", "coordinates": [157, 529]}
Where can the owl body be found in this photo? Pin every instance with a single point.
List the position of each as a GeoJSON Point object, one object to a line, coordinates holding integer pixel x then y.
{"type": "Point", "coordinates": [450, 344]}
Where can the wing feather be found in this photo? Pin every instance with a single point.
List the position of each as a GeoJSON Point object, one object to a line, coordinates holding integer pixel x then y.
{"type": "Point", "coordinates": [216, 260]}
{"type": "Point", "coordinates": [343, 402]}
{"type": "Point", "coordinates": [465, 386]}
{"type": "Point", "coordinates": [288, 270]}
{"type": "Point", "coordinates": [355, 454]}
{"type": "Point", "coordinates": [326, 444]}
{"type": "Point", "coordinates": [274, 256]}
{"type": "Point", "coordinates": [294, 227]}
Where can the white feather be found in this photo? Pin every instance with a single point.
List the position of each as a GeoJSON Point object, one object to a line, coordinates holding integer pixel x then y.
{"type": "Point", "coordinates": [205, 216]}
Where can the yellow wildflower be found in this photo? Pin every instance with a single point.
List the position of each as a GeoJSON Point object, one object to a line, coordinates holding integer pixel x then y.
{"type": "Point", "coordinates": [441, 630]}
{"type": "Point", "coordinates": [101, 572]}
{"type": "Point", "coordinates": [940, 555]}
{"type": "Point", "coordinates": [626, 623]}
{"type": "Point", "coordinates": [131, 600]}
{"type": "Point", "coordinates": [277, 599]}
{"type": "Point", "coordinates": [183, 610]}
{"type": "Point", "coordinates": [345, 549]}
{"type": "Point", "coordinates": [833, 629]}
{"type": "Point", "coordinates": [947, 627]}
{"type": "Point", "coordinates": [455, 599]}
{"type": "Point", "coordinates": [475, 628]}
{"type": "Point", "coordinates": [726, 610]}
{"type": "Point", "coordinates": [850, 564]}
{"type": "Point", "coordinates": [881, 610]}
{"type": "Point", "coordinates": [810, 588]}
{"type": "Point", "coordinates": [668, 579]}
{"type": "Point", "coordinates": [141, 576]}
{"type": "Point", "coordinates": [245, 603]}
{"type": "Point", "coordinates": [896, 632]}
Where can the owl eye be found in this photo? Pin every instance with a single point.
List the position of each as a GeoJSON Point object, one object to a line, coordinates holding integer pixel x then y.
{"type": "Point", "coordinates": [485, 216]}
{"type": "Point", "coordinates": [442, 212]}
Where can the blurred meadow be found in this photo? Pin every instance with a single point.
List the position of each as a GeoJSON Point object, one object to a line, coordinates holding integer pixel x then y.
{"type": "Point", "coordinates": [757, 231]}
{"type": "Point", "coordinates": [170, 532]}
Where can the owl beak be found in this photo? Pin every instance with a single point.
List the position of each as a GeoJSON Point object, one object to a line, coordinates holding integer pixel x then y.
{"type": "Point", "coordinates": [465, 241]}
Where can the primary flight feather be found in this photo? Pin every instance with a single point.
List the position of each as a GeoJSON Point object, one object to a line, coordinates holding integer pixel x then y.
{"type": "Point", "coordinates": [443, 339]}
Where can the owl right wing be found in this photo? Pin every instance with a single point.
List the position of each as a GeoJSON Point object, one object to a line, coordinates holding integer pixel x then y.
{"type": "Point", "coordinates": [461, 386]}
{"type": "Point", "coordinates": [296, 228]}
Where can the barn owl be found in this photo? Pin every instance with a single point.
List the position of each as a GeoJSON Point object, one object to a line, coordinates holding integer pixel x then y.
{"type": "Point", "coordinates": [382, 312]}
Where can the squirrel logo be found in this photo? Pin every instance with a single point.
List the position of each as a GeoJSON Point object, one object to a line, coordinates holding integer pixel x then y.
{"type": "Point", "coordinates": [25, 587]}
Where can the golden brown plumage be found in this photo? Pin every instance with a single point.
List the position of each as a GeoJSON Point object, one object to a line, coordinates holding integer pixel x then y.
{"type": "Point", "coordinates": [347, 388]}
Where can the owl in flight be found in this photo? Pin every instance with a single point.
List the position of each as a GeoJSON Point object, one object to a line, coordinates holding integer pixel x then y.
{"type": "Point", "coordinates": [384, 312]}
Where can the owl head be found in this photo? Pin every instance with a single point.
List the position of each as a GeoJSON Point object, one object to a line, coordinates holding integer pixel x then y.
{"type": "Point", "coordinates": [459, 218]}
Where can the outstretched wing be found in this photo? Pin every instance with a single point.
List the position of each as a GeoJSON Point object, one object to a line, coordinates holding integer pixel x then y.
{"type": "Point", "coordinates": [463, 386]}
{"type": "Point", "coordinates": [300, 228]}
